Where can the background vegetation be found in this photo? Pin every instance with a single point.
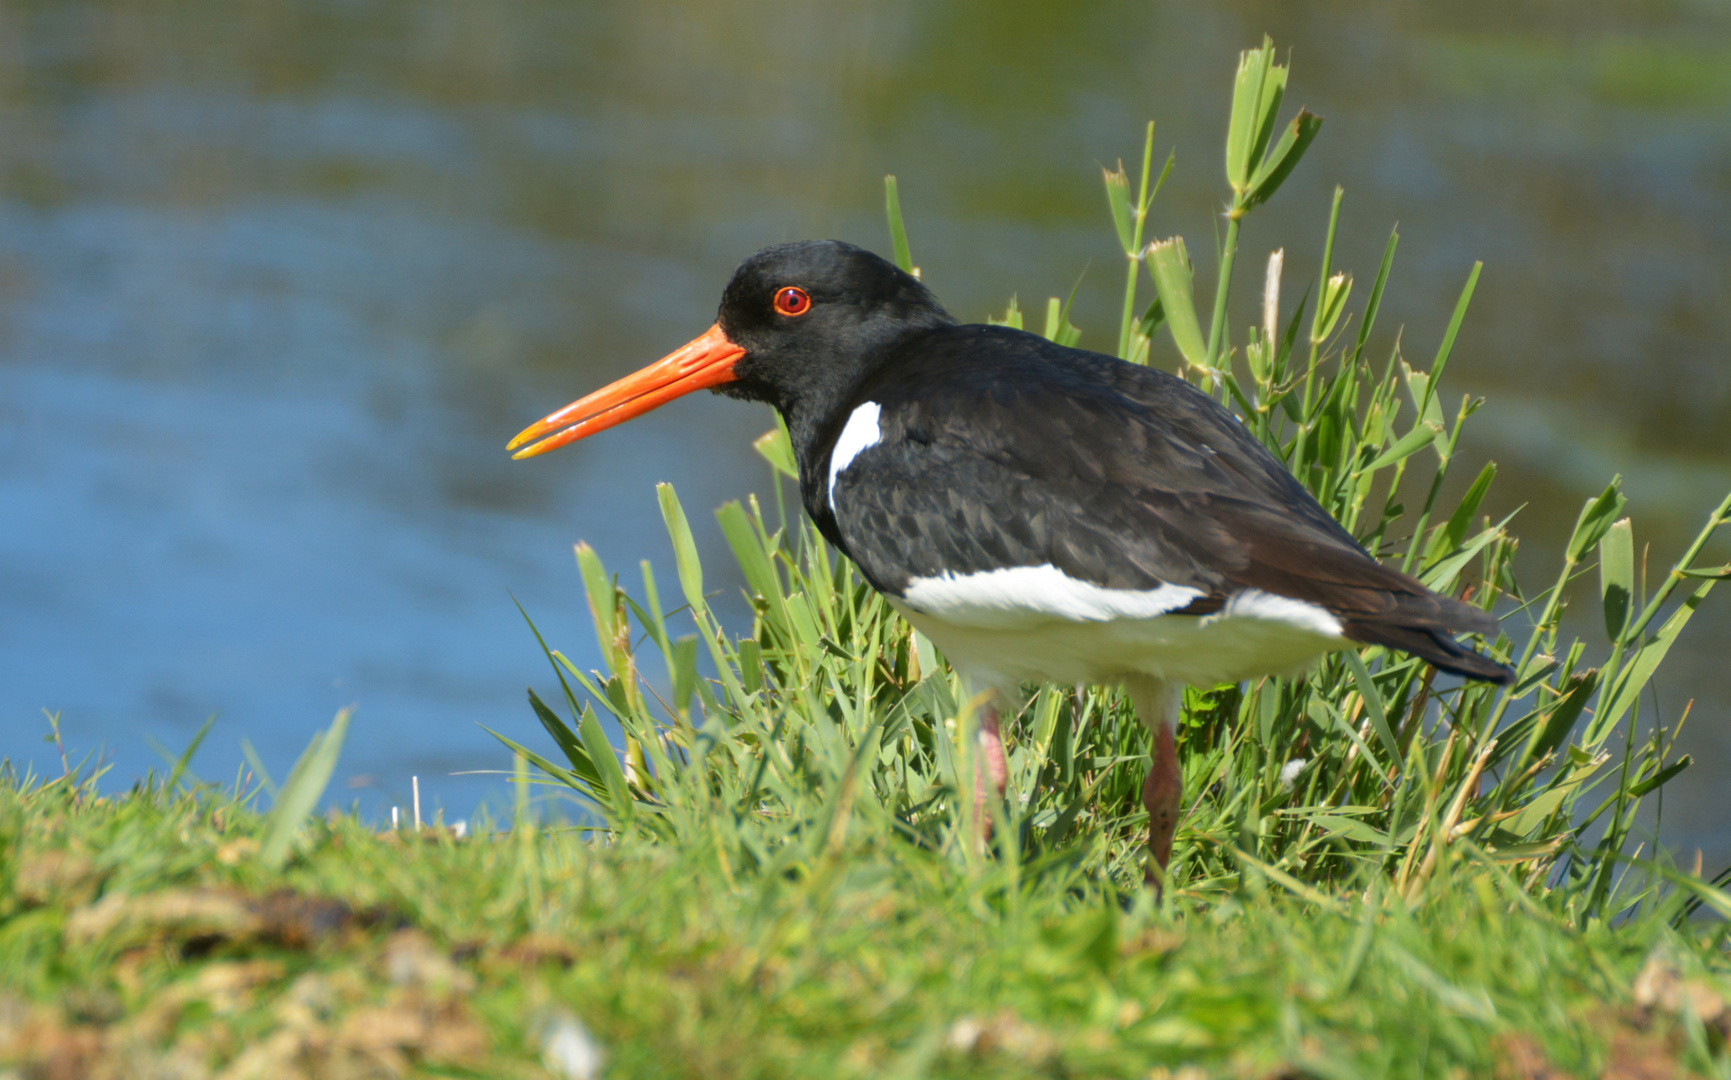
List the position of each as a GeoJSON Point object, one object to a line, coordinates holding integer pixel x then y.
{"type": "Point", "coordinates": [832, 710]}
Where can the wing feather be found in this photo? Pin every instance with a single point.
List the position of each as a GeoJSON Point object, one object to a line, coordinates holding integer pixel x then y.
{"type": "Point", "coordinates": [1001, 449]}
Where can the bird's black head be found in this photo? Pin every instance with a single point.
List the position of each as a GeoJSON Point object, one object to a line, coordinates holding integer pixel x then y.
{"type": "Point", "coordinates": [800, 325]}
{"type": "Point", "coordinates": [812, 316]}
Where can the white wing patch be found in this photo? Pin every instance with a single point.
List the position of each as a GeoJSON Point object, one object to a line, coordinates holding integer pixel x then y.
{"type": "Point", "coordinates": [1016, 596]}
{"type": "Point", "coordinates": [860, 433]}
{"type": "Point", "coordinates": [1256, 604]}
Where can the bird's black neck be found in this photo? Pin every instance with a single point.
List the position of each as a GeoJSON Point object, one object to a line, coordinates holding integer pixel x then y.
{"type": "Point", "coordinates": [816, 416]}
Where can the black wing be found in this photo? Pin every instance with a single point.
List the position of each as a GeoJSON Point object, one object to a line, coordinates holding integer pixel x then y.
{"type": "Point", "coordinates": [999, 448]}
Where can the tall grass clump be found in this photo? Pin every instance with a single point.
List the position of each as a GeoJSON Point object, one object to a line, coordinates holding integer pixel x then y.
{"type": "Point", "coordinates": [828, 724]}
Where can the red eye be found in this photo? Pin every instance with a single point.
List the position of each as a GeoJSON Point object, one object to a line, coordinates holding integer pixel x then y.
{"type": "Point", "coordinates": [792, 300]}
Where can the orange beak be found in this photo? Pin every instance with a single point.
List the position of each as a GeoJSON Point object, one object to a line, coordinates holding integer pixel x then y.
{"type": "Point", "coordinates": [705, 362]}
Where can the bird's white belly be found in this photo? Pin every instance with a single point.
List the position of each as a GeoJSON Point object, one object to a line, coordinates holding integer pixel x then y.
{"type": "Point", "coordinates": [1199, 650]}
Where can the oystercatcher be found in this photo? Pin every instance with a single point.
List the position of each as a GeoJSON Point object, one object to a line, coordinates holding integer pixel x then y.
{"type": "Point", "coordinates": [1042, 513]}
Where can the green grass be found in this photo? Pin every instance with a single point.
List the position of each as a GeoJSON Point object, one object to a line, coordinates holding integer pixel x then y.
{"type": "Point", "coordinates": [774, 874]}
{"type": "Point", "coordinates": [144, 931]}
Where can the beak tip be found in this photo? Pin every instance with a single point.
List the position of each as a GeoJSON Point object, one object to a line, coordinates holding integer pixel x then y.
{"type": "Point", "coordinates": [527, 436]}
{"type": "Point", "coordinates": [706, 361]}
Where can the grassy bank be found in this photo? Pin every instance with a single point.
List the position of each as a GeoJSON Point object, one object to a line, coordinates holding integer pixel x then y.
{"type": "Point", "coordinates": [1380, 872]}
{"type": "Point", "coordinates": [142, 936]}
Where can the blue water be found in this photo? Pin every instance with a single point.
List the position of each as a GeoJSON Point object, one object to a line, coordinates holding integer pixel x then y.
{"type": "Point", "coordinates": [278, 281]}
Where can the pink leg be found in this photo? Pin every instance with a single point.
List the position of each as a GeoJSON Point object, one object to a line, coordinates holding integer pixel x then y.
{"type": "Point", "coordinates": [1161, 794]}
{"type": "Point", "coordinates": [989, 767]}
{"type": "Point", "coordinates": [1163, 791]}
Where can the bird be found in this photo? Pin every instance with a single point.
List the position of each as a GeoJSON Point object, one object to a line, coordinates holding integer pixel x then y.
{"type": "Point", "coordinates": [1042, 513]}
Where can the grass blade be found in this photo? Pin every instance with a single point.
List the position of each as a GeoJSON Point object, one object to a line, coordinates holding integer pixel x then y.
{"type": "Point", "coordinates": [898, 231]}
{"type": "Point", "coordinates": [1373, 702]}
{"type": "Point", "coordinates": [1617, 577]}
{"type": "Point", "coordinates": [1169, 263]}
{"type": "Point", "coordinates": [302, 790]}
{"type": "Point", "coordinates": [1283, 158]}
{"type": "Point", "coordinates": [1123, 214]}
{"type": "Point", "coordinates": [185, 758]}
{"type": "Point", "coordinates": [256, 764]}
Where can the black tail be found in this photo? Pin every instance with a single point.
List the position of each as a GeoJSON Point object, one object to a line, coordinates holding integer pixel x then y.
{"type": "Point", "coordinates": [1322, 564]}
{"type": "Point", "coordinates": [1431, 644]}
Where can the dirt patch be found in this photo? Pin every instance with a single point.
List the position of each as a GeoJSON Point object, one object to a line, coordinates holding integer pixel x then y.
{"type": "Point", "coordinates": [404, 1006]}
{"type": "Point", "coordinates": [199, 919]}
{"type": "Point", "coordinates": [1004, 1033]}
{"type": "Point", "coordinates": [62, 877]}
{"type": "Point", "coordinates": [1520, 1056]}
{"type": "Point", "coordinates": [1662, 989]}
{"type": "Point", "coordinates": [533, 950]}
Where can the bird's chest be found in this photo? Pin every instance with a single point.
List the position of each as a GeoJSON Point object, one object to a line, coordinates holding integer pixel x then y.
{"type": "Point", "coordinates": [831, 451]}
